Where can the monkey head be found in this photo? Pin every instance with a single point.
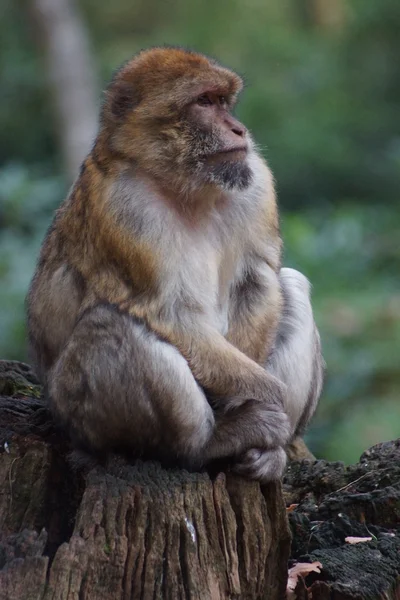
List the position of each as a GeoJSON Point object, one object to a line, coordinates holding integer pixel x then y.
{"type": "Point", "coordinates": [168, 111]}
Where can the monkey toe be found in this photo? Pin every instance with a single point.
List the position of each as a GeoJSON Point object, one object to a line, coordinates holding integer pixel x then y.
{"type": "Point", "coordinates": [262, 465]}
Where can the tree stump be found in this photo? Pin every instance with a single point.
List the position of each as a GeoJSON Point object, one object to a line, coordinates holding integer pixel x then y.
{"type": "Point", "coordinates": [139, 532]}
{"type": "Point", "coordinates": [332, 503]}
{"type": "Point", "coordinates": [125, 532]}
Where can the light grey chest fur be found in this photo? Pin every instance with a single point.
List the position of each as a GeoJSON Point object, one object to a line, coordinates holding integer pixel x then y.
{"type": "Point", "coordinates": [199, 264]}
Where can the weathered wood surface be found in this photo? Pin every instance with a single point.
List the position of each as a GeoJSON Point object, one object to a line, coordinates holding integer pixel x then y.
{"type": "Point", "coordinates": [125, 532]}
{"type": "Point", "coordinates": [143, 532]}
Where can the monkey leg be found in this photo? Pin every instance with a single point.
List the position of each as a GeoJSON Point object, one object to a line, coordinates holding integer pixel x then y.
{"type": "Point", "coordinates": [297, 361]}
{"type": "Point", "coordinates": [117, 386]}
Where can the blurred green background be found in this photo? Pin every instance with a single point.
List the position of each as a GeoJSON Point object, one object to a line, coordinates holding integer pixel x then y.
{"type": "Point", "coordinates": [322, 100]}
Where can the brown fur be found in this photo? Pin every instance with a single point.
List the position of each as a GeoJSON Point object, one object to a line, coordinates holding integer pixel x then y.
{"type": "Point", "coordinates": [101, 288]}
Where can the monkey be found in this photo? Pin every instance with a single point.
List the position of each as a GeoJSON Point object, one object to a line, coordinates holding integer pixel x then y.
{"type": "Point", "coordinates": [160, 319]}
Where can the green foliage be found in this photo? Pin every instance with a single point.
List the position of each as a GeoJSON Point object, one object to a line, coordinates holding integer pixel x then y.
{"type": "Point", "coordinates": [352, 255]}
{"type": "Point", "coordinates": [26, 203]}
{"type": "Point", "coordinates": [322, 102]}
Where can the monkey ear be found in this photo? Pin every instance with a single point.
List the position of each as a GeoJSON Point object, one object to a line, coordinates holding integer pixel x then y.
{"type": "Point", "coordinates": [123, 98]}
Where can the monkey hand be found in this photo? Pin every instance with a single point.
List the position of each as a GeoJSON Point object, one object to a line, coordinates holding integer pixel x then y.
{"type": "Point", "coordinates": [272, 391]}
{"type": "Point", "coordinates": [262, 464]}
{"type": "Point", "coordinates": [260, 386]}
{"type": "Point", "coordinates": [266, 459]}
{"type": "Point", "coordinates": [261, 426]}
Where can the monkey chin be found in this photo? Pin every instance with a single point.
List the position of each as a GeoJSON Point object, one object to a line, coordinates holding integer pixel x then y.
{"type": "Point", "coordinates": [230, 175]}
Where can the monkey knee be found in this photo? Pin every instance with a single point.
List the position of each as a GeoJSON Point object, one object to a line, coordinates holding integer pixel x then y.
{"type": "Point", "coordinates": [292, 279]}
{"type": "Point", "coordinates": [297, 322]}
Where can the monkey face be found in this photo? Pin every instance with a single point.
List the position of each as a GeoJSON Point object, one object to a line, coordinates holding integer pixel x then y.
{"type": "Point", "coordinates": [219, 143]}
{"type": "Point", "coordinates": [169, 111]}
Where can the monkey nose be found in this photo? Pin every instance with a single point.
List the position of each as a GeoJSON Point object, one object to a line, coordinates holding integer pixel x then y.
{"type": "Point", "coordinates": [235, 126]}
{"type": "Point", "coordinates": [239, 129]}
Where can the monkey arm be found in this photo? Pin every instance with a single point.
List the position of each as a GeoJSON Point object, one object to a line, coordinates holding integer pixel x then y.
{"type": "Point", "coordinates": [256, 298]}
{"type": "Point", "coordinates": [254, 313]}
{"type": "Point", "coordinates": [296, 359]}
{"type": "Point", "coordinates": [222, 370]}
{"type": "Point", "coordinates": [294, 351]}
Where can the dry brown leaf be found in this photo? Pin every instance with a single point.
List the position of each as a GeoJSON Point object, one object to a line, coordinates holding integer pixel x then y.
{"type": "Point", "coordinates": [357, 540]}
{"type": "Point", "coordinates": [291, 508]}
{"type": "Point", "coordinates": [298, 570]}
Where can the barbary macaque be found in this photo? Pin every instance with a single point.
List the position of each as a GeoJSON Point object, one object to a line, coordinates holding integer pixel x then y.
{"type": "Point", "coordinates": [160, 319]}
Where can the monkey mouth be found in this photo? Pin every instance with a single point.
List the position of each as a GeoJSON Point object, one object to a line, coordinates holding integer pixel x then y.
{"type": "Point", "coordinates": [236, 149]}
{"type": "Point", "coordinates": [236, 152]}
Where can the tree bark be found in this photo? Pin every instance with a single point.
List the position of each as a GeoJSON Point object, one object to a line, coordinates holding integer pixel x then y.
{"type": "Point", "coordinates": [71, 73]}
{"type": "Point", "coordinates": [139, 532]}
{"type": "Point", "coordinates": [325, 15]}
{"type": "Point", "coordinates": [125, 531]}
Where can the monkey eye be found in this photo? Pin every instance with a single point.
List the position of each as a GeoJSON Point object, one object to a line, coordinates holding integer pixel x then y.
{"type": "Point", "coordinates": [204, 100]}
{"type": "Point", "coordinates": [222, 100]}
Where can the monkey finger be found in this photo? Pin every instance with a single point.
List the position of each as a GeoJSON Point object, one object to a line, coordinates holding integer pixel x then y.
{"type": "Point", "coordinates": [274, 426]}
